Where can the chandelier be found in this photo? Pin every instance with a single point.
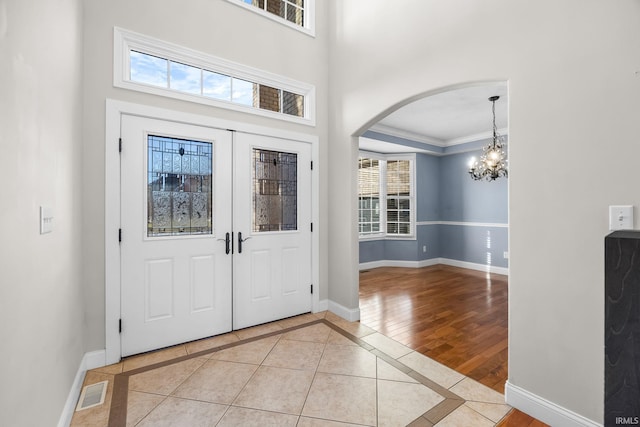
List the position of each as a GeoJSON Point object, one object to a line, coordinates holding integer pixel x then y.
{"type": "Point", "coordinates": [493, 162]}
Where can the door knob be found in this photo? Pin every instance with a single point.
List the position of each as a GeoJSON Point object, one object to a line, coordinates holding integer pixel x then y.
{"type": "Point", "coordinates": [227, 243]}
{"type": "Point", "coordinates": [240, 240]}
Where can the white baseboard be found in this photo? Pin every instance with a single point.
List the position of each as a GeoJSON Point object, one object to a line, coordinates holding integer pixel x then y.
{"type": "Point", "coordinates": [322, 305]}
{"type": "Point", "coordinates": [434, 261]}
{"type": "Point", "coordinates": [90, 360]}
{"type": "Point", "coordinates": [398, 263]}
{"type": "Point", "coordinates": [350, 314]}
{"type": "Point", "coordinates": [94, 359]}
{"type": "Point", "coordinates": [473, 266]}
{"type": "Point", "coordinates": [544, 410]}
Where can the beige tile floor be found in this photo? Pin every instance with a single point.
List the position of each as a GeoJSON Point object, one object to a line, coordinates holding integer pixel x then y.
{"type": "Point", "coordinates": [310, 370]}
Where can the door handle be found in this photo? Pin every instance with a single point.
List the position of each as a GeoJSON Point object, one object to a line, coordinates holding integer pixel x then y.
{"type": "Point", "coordinates": [227, 243]}
{"type": "Point", "coordinates": [240, 240]}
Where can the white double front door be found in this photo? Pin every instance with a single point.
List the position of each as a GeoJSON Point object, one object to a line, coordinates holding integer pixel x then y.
{"type": "Point", "coordinates": [215, 231]}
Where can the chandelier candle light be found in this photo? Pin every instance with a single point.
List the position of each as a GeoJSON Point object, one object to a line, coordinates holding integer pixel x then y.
{"type": "Point", "coordinates": [493, 162]}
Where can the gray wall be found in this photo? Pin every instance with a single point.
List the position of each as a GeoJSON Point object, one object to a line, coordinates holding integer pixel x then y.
{"type": "Point", "coordinates": [573, 83]}
{"type": "Point", "coordinates": [586, 53]}
{"type": "Point", "coordinates": [218, 28]}
{"type": "Point", "coordinates": [445, 192]}
{"type": "Point", "coordinates": [41, 291]}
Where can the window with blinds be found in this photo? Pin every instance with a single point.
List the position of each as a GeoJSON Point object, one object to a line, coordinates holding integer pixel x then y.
{"type": "Point", "coordinates": [398, 197]}
{"type": "Point", "coordinates": [369, 196]}
{"type": "Point", "coordinates": [385, 195]}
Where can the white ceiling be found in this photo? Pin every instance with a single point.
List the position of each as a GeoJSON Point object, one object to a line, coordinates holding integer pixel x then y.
{"type": "Point", "coordinates": [445, 119]}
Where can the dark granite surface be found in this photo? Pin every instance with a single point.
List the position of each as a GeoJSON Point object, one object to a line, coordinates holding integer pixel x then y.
{"type": "Point", "coordinates": [622, 328]}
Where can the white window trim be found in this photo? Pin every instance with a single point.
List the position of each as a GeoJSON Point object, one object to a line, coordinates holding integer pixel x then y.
{"type": "Point", "coordinates": [125, 41]}
{"type": "Point", "coordinates": [381, 235]}
{"type": "Point", "coordinates": [383, 196]}
{"type": "Point", "coordinates": [309, 27]}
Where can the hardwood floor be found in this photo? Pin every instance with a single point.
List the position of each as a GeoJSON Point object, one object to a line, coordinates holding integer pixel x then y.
{"type": "Point", "coordinates": [455, 316]}
{"type": "Point", "coordinates": [520, 419]}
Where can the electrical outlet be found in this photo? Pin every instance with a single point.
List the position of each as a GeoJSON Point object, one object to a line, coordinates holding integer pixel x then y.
{"type": "Point", "coordinates": [505, 255]}
{"type": "Point", "coordinates": [424, 248]}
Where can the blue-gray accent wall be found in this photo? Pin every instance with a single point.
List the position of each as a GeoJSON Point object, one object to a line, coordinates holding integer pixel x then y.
{"type": "Point", "coordinates": [445, 194]}
{"type": "Point", "coordinates": [466, 200]}
{"type": "Point", "coordinates": [428, 187]}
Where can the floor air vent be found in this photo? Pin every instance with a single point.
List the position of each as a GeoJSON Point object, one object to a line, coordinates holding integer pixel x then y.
{"type": "Point", "coordinates": [92, 395]}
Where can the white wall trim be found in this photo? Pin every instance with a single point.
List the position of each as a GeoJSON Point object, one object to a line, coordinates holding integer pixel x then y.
{"type": "Point", "coordinates": [544, 410]}
{"type": "Point", "coordinates": [466, 224]}
{"type": "Point", "coordinates": [474, 266]}
{"type": "Point", "coordinates": [91, 360]}
{"type": "Point", "coordinates": [433, 261]}
{"type": "Point", "coordinates": [114, 112]}
{"type": "Point", "coordinates": [320, 306]}
{"type": "Point", "coordinates": [476, 137]}
{"type": "Point", "coordinates": [350, 314]}
{"type": "Point", "coordinates": [399, 263]}
{"type": "Point", "coordinates": [411, 136]}
{"type": "Point", "coordinates": [425, 139]}
{"type": "Point", "coordinates": [95, 359]}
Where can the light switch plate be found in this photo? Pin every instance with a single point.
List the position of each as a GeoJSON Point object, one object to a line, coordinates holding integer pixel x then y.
{"type": "Point", "coordinates": [621, 217]}
{"type": "Point", "coordinates": [46, 219]}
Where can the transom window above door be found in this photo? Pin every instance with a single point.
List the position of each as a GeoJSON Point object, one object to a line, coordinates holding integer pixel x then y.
{"type": "Point", "coordinates": [145, 64]}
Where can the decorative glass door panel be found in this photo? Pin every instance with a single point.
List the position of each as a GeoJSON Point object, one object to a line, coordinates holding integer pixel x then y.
{"type": "Point", "coordinates": [275, 191]}
{"type": "Point", "coordinates": [215, 230]}
{"type": "Point", "coordinates": [272, 222]}
{"type": "Point", "coordinates": [176, 272]}
{"type": "Point", "coordinates": [179, 187]}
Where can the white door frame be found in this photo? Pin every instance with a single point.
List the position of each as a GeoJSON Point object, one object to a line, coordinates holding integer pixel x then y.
{"type": "Point", "coordinates": [114, 111]}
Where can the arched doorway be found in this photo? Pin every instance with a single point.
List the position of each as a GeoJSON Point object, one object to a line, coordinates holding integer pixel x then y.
{"type": "Point", "coordinates": [441, 287]}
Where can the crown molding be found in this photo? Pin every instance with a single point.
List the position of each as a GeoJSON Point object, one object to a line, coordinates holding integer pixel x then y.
{"type": "Point", "coordinates": [476, 137]}
{"type": "Point", "coordinates": [412, 136]}
{"type": "Point", "coordinates": [416, 137]}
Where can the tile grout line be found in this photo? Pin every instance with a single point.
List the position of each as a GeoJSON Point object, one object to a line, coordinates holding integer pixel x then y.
{"type": "Point", "coordinates": [482, 415]}
{"type": "Point", "coordinates": [377, 395]}
{"type": "Point", "coordinates": [315, 374]}
{"type": "Point", "coordinates": [450, 398]}
{"type": "Point", "coordinates": [171, 393]}
{"type": "Point", "coordinates": [250, 378]}
{"type": "Point", "coordinates": [119, 415]}
{"type": "Point", "coordinates": [118, 409]}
